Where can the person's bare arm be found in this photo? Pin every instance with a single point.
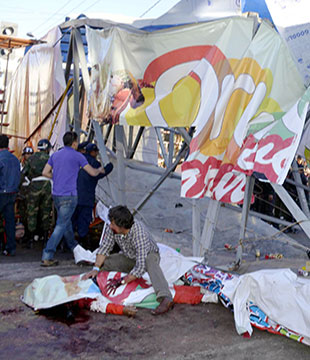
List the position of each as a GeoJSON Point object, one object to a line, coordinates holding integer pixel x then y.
{"type": "Point", "coordinates": [92, 171]}
{"type": "Point", "coordinates": [98, 263]}
{"type": "Point", "coordinates": [47, 171]}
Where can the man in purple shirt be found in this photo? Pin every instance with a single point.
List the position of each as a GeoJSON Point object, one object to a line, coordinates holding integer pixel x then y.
{"type": "Point", "coordinates": [63, 167]}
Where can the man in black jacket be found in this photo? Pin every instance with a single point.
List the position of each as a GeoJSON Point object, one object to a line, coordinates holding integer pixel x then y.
{"type": "Point", "coordinates": [86, 187]}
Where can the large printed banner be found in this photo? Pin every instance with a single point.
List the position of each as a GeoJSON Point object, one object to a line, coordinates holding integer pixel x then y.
{"type": "Point", "coordinates": [241, 91]}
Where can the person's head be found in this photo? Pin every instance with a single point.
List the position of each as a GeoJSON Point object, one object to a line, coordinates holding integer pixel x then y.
{"type": "Point", "coordinates": [121, 219]}
{"type": "Point", "coordinates": [27, 152]}
{"type": "Point", "coordinates": [299, 159]}
{"type": "Point", "coordinates": [44, 145]}
{"type": "Point", "coordinates": [92, 150]}
{"type": "Point", "coordinates": [82, 147]}
{"type": "Point", "coordinates": [70, 139]}
{"type": "Point", "coordinates": [4, 141]}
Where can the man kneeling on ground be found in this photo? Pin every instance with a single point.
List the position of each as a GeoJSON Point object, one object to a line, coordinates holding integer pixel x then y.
{"type": "Point", "coordinates": [139, 254]}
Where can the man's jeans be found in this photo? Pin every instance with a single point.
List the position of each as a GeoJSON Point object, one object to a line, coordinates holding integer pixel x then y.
{"type": "Point", "coordinates": [65, 206]}
{"type": "Point", "coordinates": [7, 210]}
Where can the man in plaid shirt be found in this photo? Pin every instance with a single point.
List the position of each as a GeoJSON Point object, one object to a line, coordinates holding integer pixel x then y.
{"type": "Point", "coordinates": [139, 254]}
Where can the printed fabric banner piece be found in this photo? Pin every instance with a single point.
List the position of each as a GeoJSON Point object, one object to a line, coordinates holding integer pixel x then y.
{"type": "Point", "coordinates": [241, 91]}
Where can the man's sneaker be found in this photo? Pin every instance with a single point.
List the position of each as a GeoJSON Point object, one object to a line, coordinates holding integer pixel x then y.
{"type": "Point", "coordinates": [47, 263]}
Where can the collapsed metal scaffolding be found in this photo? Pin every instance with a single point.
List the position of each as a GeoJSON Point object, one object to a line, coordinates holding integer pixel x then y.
{"type": "Point", "coordinates": [124, 148]}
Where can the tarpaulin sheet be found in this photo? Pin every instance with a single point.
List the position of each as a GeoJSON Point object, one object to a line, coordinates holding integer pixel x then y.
{"type": "Point", "coordinates": [34, 88]}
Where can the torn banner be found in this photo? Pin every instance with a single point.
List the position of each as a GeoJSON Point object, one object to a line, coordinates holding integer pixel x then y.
{"type": "Point", "coordinates": [241, 92]}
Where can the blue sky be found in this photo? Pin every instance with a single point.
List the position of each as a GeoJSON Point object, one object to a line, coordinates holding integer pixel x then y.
{"type": "Point", "coordinates": [39, 16]}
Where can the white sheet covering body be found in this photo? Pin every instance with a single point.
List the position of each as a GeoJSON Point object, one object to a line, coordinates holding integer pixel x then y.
{"type": "Point", "coordinates": [282, 295]}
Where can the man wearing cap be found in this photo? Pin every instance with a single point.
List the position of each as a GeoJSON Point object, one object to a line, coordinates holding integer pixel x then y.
{"type": "Point", "coordinates": [86, 188]}
{"type": "Point", "coordinates": [9, 183]}
{"type": "Point", "coordinates": [27, 152]}
{"type": "Point", "coordinates": [82, 147]}
{"type": "Point", "coordinates": [39, 197]}
{"type": "Point", "coordinates": [63, 167]}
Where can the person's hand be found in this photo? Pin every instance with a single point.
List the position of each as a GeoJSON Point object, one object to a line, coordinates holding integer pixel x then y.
{"type": "Point", "coordinates": [101, 170]}
{"type": "Point", "coordinates": [90, 275]}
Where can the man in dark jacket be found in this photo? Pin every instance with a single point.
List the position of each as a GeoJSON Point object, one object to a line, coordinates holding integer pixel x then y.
{"type": "Point", "coordinates": [86, 187]}
{"type": "Point", "coordinates": [9, 183]}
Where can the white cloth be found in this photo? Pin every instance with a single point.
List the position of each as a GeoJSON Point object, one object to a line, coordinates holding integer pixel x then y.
{"type": "Point", "coordinates": [279, 293]}
{"type": "Point", "coordinates": [173, 264]}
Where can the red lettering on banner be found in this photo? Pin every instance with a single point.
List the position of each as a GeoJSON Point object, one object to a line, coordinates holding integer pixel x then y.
{"type": "Point", "coordinates": [203, 168]}
{"type": "Point", "coordinates": [267, 156]}
{"type": "Point", "coordinates": [229, 191]}
{"type": "Point", "coordinates": [264, 156]}
{"type": "Point", "coordinates": [224, 171]}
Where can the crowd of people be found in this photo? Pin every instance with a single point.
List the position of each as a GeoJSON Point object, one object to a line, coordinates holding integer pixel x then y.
{"type": "Point", "coordinates": [67, 179]}
{"type": "Point", "coordinates": [31, 188]}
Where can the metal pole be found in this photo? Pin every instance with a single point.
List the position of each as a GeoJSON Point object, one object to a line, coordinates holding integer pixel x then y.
{"type": "Point", "coordinates": [259, 215]}
{"type": "Point", "coordinates": [107, 134]}
{"type": "Point", "coordinates": [171, 147]}
{"type": "Point", "coordinates": [195, 226]}
{"type": "Point", "coordinates": [209, 227]}
{"type": "Point", "coordinates": [135, 145]}
{"type": "Point", "coordinates": [103, 152]}
{"type": "Point", "coordinates": [250, 180]}
{"type": "Point", "coordinates": [300, 217]}
{"type": "Point", "coordinates": [76, 87]}
{"type": "Point", "coordinates": [119, 137]}
{"type": "Point", "coordinates": [130, 137]}
{"type": "Point", "coordinates": [80, 53]}
{"type": "Point", "coordinates": [161, 179]}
